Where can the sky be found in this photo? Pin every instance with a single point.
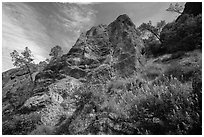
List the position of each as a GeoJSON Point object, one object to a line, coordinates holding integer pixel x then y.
{"type": "Point", "coordinates": [41, 26]}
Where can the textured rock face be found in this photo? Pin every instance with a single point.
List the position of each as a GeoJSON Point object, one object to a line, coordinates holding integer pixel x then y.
{"type": "Point", "coordinates": [117, 45]}
{"type": "Point", "coordinates": [95, 55]}
{"type": "Point", "coordinates": [119, 40]}
{"type": "Point", "coordinates": [126, 45]}
{"type": "Point", "coordinates": [91, 46]}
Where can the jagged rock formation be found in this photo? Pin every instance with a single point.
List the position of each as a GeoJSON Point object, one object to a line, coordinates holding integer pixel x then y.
{"type": "Point", "coordinates": [117, 45]}
{"type": "Point", "coordinates": [95, 56]}
{"type": "Point", "coordinates": [126, 46]}
{"type": "Point", "coordinates": [118, 40]}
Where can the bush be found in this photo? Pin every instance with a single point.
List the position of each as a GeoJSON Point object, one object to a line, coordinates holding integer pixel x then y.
{"type": "Point", "coordinates": [183, 35]}
{"type": "Point", "coordinates": [152, 48]}
{"type": "Point", "coordinates": [165, 106]}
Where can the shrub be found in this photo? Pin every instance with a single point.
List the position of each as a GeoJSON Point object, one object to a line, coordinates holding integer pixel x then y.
{"type": "Point", "coordinates": [183, 35]}
{"type": "Point", "coordinates": [152, 48]}
{"type": "Point", "coordinates": [165, 106]}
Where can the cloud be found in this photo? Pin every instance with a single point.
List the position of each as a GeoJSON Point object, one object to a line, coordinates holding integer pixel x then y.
{"type": "Point", "coordinates": [83, 3]}
{"type": "Point", "coordinates": [15, 26]}
{"type": "Point", "coordinates": [76, 17]}
{"type": "Point", "coordinates": [41, 26]}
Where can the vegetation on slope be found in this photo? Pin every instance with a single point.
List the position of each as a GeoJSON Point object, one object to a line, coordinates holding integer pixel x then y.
{"type": "Point", "coordinates": [164, 96]}
{"type": "Point", "coordinates": [132, 106]}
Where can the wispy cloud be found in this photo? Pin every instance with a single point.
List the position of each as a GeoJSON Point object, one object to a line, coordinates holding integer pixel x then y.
{"type": "Point", "coordinates": [40, 26]}
{"type": "Point", "coordinates": [14, 26]}
{"type": "Point", "coordinates": [76, 17]}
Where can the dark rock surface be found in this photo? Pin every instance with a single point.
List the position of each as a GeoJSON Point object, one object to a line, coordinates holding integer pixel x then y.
{"type": "Point", "coordinates": [126, 46]}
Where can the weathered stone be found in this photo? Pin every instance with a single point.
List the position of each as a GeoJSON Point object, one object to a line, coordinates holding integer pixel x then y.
{"type": "Point", "coordinates": [96, 55]}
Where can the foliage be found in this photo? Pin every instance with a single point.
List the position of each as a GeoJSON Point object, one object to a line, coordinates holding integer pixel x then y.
{"type": "Point", "coordinates": [175, 8]}
{"type": "Point", "coordinates": [166, 100]}
{"type": "Point", "coordinates": [183, 35]}
{"type": "Point", "coordinates": [41, 65]}
{"type": "Point", "coordinates": [23, 60]}
{"type": "Point", "coordinates": [56, 52]}
{"type": "Point", "coordinates": [152, 48]}
{"type": "Point", "coordinates": [131, 106]}
{"type": "Point", "coordinates": [154, 30]}
{"type": "Point", "coordinates": [164, 107]}
{"type": "Point", "coordinates": [151, 38]}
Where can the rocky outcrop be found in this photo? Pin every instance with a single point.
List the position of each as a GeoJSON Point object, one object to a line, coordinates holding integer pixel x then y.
{"type": "Point", "coordinates": [54, 103]}
{"type": "Point", "coordinates": [97, 56]}
{"type": "Point", "coordinates": [118, 41]}
{"type": "Point", "coordinates": [126, 46]}
{"type": "Point", "coordinates": [16, 87]}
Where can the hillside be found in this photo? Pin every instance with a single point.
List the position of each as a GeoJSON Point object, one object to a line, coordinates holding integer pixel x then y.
{"type": "Point", "coordinates": [105, 85]}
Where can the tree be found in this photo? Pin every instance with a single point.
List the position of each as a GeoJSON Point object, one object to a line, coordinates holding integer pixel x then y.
{"type": "Point", "coordinates": [183, 35]}
{"type": "Point", "coordinates": [151, 37]}
{"type": "Point", "coordinates": [56, 52]}
{"type": "Point", "coordinates": [23, 60]}
{"type": "Point", "coordinates": [41, 65]}
{"type": "Point", "coordinates": [175, 8]}
{"type": "Point", "coordinates": [47, 61]}
{"type": "Point", "coordinates": [147, 29]}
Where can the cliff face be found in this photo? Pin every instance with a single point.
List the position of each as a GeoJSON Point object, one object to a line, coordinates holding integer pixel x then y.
{"type": "Point", "coordinates": [118, 40]}
{"type": "Point", "coordinates": [96, 54]}
{"type": "Point", "coordinates": [116, 45]}
{"type": "Point", "coordinates": [126, 46]}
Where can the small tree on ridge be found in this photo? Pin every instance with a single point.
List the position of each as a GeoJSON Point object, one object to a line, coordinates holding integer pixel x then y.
{"type": "Point", "coordinates": [23, 60]}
